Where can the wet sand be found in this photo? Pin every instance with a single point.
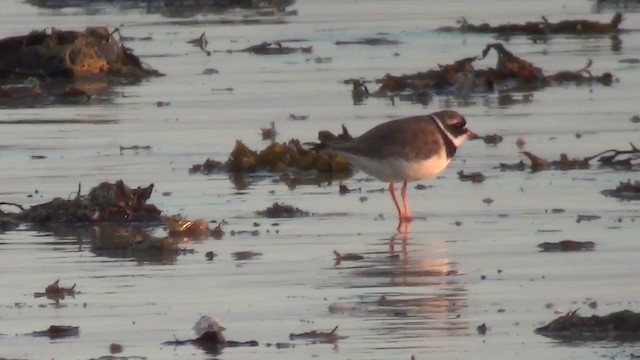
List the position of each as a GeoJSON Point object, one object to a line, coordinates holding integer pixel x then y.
{"type": "Point", "coordinates": [434, 297]}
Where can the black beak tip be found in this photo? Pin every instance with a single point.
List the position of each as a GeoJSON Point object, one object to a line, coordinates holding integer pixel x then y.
{"type": "Point", "coordinates": [473, 136]}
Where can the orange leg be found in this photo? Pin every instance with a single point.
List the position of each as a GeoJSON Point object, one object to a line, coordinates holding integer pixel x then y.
{"type": "Point", "coordinates": [405, 202]}
{"type": "Point", "coordinates": [392, 190]}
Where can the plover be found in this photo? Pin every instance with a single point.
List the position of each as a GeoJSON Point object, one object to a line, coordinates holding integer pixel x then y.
{"type": "Point", "coordinates": [404, 150]}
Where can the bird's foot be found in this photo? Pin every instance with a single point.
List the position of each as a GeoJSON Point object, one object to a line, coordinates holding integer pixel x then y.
{"type": "Point", "coordinates": [406, 218]}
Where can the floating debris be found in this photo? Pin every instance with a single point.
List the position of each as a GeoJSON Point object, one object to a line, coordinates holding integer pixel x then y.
{"type": "Point", "coordinates": [371, 41]}
{"type": "Point", "coordinates": [210, 71]}
{"type": "Point", "coordinates": [540, 28]}
{"type": "Point", "coordinates": [298, 117]}
{"type": "Point", "coordinates": [488, 201]}
{"type": "Point", "coordinates": [462, 78]}
{"type": "Point", "coordinates": [217, 232]}
{"type": "Point", "coordinates": [582, 218]}
{"type": "Point", "coordinates": [339, 258]}
{"type": "Point", "coordinates": [624, 191]}
{"type": "Point", "coordinates": [210, 337]}
{"type": "Point", "coordinates": [492, 139]}
{"type": "Point", "coordinates": [174, 8]}
{"type": "Point", "coordinates": [475, 177]}
{"type": "Point", "coordinates": [55, 292]}
{"type": "Point", "coordinates": [200, 42]}
{"type": "Point", "coordinates": [423, 187]}
{"type": "Point", "coordinates": [69, 54]}
{"type": "Point", "coordinates": [482, 329]}
{"type": "Point", "coordinates": [135, 148]}
{"type": "Point", "coordinates": [281, 210]}
{"type": "Point", "coordinates": [359, 92]}
{"type": "Point", "coordinates": [537, 163]}
{"type": "Point", "coordinates": [209, 255]}
{"type": "Point", "coordinates": [567, 245]}
{"type": "Point", "coordinates": [316, 337]}
{"type": "Point", "coordinates": [209, 166]}
{"type": "Point", "coordinates": [278, 158]}
{"type": "Point", "coordinates": [107, 202]}
{"type": "Point", "coordinates": [618, 326]}
{"type": "Point", "coordinates": [245, 255]}
{"type": "Point", "coordinates": [609, 158]}
{"type": "Point", "coordinates": [270, 132]}
{"type": "Point", "coordinates": [519, 166]}
{"type": "Point", "coordinates": [343, 190]}
{"type": "Point", "coordinates": [117, 219]}
{"type": "Point", "coordinates": [270, 48]}
{"type": "Point", "coordinates": [58, 332]}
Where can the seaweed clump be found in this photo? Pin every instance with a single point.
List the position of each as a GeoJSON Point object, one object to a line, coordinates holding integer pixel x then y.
{"type": "Point", "coordinates": [543, 27]}
{"type": "Point", "coordinates": [626, 190]}
{"type": "Point", "coordinates": [276, 158]}
{"type": "Point", "coordinates": [107, 202]}
{"type": "Point", "coordinates": [117, 220]}
{"type": "Point", "coordinates": [278, 210]}
{"type": "Point", "coordinates": [617, 326]}
{"type": "Point", "coordinates": [613, 159]}
{"type": "Point", "coordinates": [69, 54]}
{"type": "Point", "coordinates": [462, 78]}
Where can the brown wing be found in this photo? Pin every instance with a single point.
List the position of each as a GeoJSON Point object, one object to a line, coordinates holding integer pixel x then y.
{"type": "Point", "coordinates": [416, 137]}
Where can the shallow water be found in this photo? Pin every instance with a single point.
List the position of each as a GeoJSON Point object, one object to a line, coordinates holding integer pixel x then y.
{"type": "Point", "coordinates": [434, 297]}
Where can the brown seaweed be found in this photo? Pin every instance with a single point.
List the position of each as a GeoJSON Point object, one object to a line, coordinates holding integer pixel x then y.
{"type": "Point", "coordinates": [211, 342]}
{"type": "Point", "coordinates": [462, 78]}
{"type": "Point", "coordinates": [58, 331]}
{"type": "Point", "coordinates": [56, 292]}
{"type": "Point", "coordinates": [567, 245]}
{"type": "Point", "coordinates": [541, 28]}
{"type": "Point", "coordinates": [278, 210]}
{"type": "Point", "coordinates": [475, 177]}
{"type": "Point", "coordinates": [618, 326]}
{"type": "Point", "coordinates": [69, 54]}
{"type": "Point", "coordinates": [315, 336]}
{"type": "Point", "coordinates": [275, 158]}
{"type": "Point", "coordinates": [371, 41]}
{"type": "Point", "coordinates": [613, 158]}
{"type": "Point", "coordinates": [107, 202]}
{"type": "Point", "coordinates": [339, 257]}
{"type": "Point", "coordinates": [270, 48]}
{"type": "Point", "coordinates": [624, 191]}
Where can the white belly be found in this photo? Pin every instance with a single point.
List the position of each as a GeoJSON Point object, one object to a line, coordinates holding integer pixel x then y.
{"type": "Point", "coordinates": [395, 169]}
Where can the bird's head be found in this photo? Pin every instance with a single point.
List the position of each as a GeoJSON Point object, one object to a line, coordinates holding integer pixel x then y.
{"type": "Point", "coordinates": [454, 126]}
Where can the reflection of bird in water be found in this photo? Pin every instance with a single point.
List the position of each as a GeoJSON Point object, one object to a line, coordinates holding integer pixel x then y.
{"type": "Point", "coordinates": [208, 324]}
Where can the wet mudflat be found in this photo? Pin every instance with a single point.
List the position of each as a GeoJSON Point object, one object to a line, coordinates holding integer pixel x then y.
{"type": "Point", "coordinates": [464, 262]}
